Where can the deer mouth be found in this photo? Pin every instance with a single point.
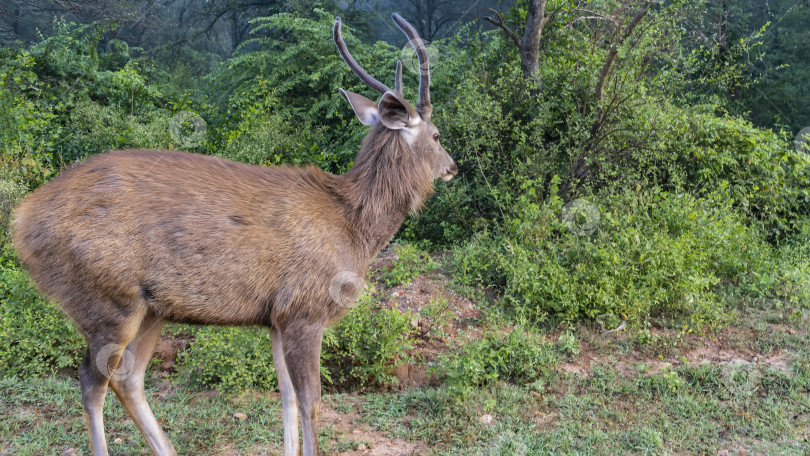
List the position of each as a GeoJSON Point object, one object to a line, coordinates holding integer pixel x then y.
{"type": "Point", "coordinates": [450, 172]}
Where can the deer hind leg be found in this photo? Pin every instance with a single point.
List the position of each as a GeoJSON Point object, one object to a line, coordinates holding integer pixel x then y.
{"type": "Point", "coordinates": [288, 399]}
{"type": "Point", "coordinates": [105, 351]}
{"type": "Point", "coordinates": [302, 353]}
{"type": "Point", "coordinates": [128, 385]}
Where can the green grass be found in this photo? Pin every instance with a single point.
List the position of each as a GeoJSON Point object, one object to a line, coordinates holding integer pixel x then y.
{"type": "Point", "coordinates": [686, 408]}
{"type": "Point", "coordinates": [44, 416]}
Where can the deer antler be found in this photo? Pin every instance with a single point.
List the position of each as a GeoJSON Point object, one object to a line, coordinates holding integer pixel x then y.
{"type": "Point", "coordinates": [398, 78]}
{"type": "Point", "coordinates": [356, 68]}
{"type": "Point", "coordinates": [423, 107]}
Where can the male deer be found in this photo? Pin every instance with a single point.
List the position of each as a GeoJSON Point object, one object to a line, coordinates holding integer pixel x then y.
{"type": "Point", "coordinates": [127, 240]}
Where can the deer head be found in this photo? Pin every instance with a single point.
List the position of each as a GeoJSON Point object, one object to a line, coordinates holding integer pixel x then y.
{"type": "Point", "coordinates": [394, 112]}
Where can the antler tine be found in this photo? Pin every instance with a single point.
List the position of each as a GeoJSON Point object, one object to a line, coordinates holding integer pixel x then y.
{"type": "Point", "coordinates": [398, 78]}
{"type": "Point", "coordinates": [356, 68]}
{"type": "Point", "coordinates": [423, 107]}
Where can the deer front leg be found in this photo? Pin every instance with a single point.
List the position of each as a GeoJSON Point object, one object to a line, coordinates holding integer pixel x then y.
{"type": "Point", "coordinates": [288, 400]}
{"type": "Point", "coordinates": [302, 354]}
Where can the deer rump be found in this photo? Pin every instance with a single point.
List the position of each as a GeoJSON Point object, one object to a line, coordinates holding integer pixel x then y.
{"type": "Point", "coordinates": [195, 238]}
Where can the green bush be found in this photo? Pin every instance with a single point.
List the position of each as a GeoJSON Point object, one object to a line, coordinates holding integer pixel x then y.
{"type": "Point", "coordinates": [409, 262]}
{"type": "Point", "coordinates": [35, 336]}
{"type": "Point", "coordinates": [97, 128]}
{"type": "Point", "coordinates": [264, 137]}
{"type": "Point", "coordinates": [519, 357]}
{"type": "Point", "coordinates": [367, 343]}
{"type": "Point", "coordinates": [10, 194]}
{"type": "Point", "coordinates": [794, 267]}
{"type": "Point", "coordinates": [763, 175]}
{"type": "Point", "coordinates": [653, 252]}
{"type": "Point", "coordinates": [288, 74]}
{"type": "Point", "coordinates": [230, 359]}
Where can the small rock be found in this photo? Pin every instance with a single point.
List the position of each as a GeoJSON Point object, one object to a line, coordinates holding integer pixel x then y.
{"type": "Point", "coordinates": [361, 447]}
{"type": "Point", "coordinates": [486, 419]}
{"type": "Point", "coordinates": [356, 431]}
{"type": "Point", "coordinates": [742, 451]}
{"type": "Point", "coordinates": [394, 294]}
{"type": "Point", "coordinates": [415, 322]}
{"type": "Point", "coordinates": [240, 416]}
{"type": "Point", "coordinates": [117, 441]}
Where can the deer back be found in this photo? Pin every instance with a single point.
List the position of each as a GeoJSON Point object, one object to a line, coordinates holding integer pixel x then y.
{"type": "Point", "coordinates": [199, 238]}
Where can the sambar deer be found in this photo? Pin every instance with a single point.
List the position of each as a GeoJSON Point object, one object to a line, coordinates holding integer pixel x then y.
{"type": "Point", "coordinates": [127, 240]}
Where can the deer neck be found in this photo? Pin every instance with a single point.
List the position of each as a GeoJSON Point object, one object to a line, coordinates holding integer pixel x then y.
{"type": "Point", "coordinates": [381, 189]}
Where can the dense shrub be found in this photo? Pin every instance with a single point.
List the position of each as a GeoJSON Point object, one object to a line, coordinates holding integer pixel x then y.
{"type": "Point", "coordinates": [365, 345]}
{"type": "Point", "coordinates": [284, 81]}
{"type": "Point", "coordinates": [653, 252]}
{"type": "Point", "coordinates": [230, 359]}
{"type": "Point", "coordinates": [519, 357]}
{"type": "Point", "coordinates": [35, 336]}
{"type": "Point", "coordinates": [409, 262]}
{"type": "Point", "coordinates": [794, 267]}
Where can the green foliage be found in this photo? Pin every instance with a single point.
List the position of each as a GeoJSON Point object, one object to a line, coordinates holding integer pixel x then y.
{"type": "Point", "coordinates": [230, 359]}
{"type": "Point", "coordinates": [285, 79]}
{"type": "Point", "coordinates": [761, 172]}
{"type": "Point", "coordinates": [519, 357]}
{"type": "Point", "coordinates": [367, 343]}
{"type": "Point", "coordinates": [667, 383]}
{"type": "Point", "coordinates": [437, 314]}
{"type": "Point", "coordinates": [409, 262]}
{"type": "Point", "coordinates": [57, 105]}
{"type": "Point", "coordinates": [26, 131]}
{"type": "Point", "coordinates": [794, 267]}
{"type": "Point", "coordinates": [568, 343]}
{"type": "Point", "coordinates": [10, 193]}
{"type": "Point", "coordinates": [654, 252]}
{"type": "Point", "coordinates": [263, 136]}
{"type": "Point", "coordinates": [35, 336]}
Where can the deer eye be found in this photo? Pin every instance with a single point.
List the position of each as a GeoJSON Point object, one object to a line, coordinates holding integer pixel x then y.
{"type": "Point", "coordinates": [436, 137]}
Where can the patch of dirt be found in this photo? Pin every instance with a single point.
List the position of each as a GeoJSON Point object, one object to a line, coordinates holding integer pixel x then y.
{"type": "Point", "coordinates": [721, 349]}
{"type": "Point", "coordinates": [167, 350]}
{"type": "Point", "coordinates": [366, 441]}
{"type": "Point", "coordinates": [453, 317]}
{"type": "Point", "coordinates": [414, 375]}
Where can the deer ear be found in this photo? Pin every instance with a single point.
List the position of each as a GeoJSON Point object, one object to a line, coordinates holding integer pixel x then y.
{"type": "Point", "coordinates": [364, 109]}
{"type": "Point", "coordinates": [396, 113]}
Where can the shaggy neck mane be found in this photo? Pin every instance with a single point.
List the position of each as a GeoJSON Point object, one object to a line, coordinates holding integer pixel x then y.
{"type": "Point", "coordinates": [386, 182]}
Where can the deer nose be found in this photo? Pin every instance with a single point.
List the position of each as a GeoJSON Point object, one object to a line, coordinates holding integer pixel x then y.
{"type": "Point", "coordinates": [450, 172]}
